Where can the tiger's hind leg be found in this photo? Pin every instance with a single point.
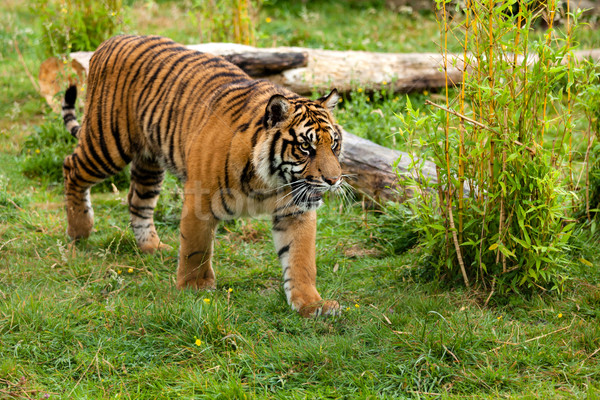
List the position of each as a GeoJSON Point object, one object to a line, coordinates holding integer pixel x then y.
{"type": "Point", "coordinates": [146, 181]}
{"type": "Point", "coordinates": [80, 175]}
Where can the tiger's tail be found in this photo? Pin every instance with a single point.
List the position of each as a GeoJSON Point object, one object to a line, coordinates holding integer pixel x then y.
{"type": "Point", "coordinates": [68, 111]}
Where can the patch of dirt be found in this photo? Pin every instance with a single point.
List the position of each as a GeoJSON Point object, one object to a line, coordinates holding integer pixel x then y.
{"type": "Point", "coordinates": [248, 233]}
{"type": "Point", "coordinates": [358, 251]}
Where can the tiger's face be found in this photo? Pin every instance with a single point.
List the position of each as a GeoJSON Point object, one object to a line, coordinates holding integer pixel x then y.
{"type": "Point", "coordinates": [301, 148]}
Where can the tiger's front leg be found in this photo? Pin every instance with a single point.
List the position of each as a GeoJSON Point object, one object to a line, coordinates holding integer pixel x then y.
{"type": "Point", "coordinates": [197, 232]}
{"type": "Point", "coordinates": [294, 238]}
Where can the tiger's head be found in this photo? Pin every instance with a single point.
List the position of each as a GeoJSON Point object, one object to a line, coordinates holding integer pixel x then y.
{"type": "Point", "coordinates": [301, 148]}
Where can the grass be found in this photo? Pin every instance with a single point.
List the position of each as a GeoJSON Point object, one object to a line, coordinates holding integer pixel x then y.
{"type": "Point", "coordinates": [97, 319]}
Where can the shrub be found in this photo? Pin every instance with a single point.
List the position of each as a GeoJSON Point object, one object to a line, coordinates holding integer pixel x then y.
{"type": "Point", "coordinates": [504, 148]}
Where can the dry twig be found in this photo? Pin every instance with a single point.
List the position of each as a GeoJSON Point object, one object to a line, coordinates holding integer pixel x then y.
{"type": "Point", "coordinates": [22, 60]}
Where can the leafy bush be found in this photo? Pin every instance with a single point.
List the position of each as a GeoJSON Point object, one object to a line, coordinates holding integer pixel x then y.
{"type": "Point", "coordinates": [504, 149]}
{"type": "Point", "coordinates": [45, 149]}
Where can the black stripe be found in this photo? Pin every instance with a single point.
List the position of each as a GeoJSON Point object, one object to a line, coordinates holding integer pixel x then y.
{"type": "Point", "coordinates": [141, 226]}
{"type": "Point", "coordinates": [255, 135]}
{"type": "Point", "coordinates": [147, 195]}
{"type": "Point", "coordinates": [139, 215]}
{"type": "Point", "coordinates": [226, 172]}
{"type": "Point", "coordinates": [223, 202]}
{"type": "Point", "coordinates": [92, 155]}
{"type": "Point", "coordinates": [279, 218]}
{"type": "Point", "coordinates": [83, 165]}
{"type": "Point", "coordinates": [283, 250]}
{"type": "Point", "coordinates": [246, 177]}
{"type": "Point", "coordinates": [194, 253]}
{"type": "Point", "coordinates": [142, 208]}
{"type": "Point", "coordinates": [75, 131]}
{"type": "Point", "coordinates": [274, 141]}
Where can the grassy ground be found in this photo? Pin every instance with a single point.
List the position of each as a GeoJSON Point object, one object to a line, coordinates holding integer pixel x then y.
{"type": "Point", "coordinates": [99, 320]}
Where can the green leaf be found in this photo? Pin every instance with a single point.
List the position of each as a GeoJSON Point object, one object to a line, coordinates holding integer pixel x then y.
{"type": "Point", "coordinates": [586, 262]}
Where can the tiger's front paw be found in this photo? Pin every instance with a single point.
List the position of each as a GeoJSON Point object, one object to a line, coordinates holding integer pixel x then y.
{"type": "Point", "coordinates": [150, 248]}
{"type": "Point", "coordinates": [197, 284]}
{"type": "Point", "coordinates": [80, 224]}
{"type": "Point", "coordinates": [321, 308]}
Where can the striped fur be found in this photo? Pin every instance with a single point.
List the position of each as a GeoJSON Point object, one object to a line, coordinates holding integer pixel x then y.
{"type": "Point", "coordinates": [240, 146]}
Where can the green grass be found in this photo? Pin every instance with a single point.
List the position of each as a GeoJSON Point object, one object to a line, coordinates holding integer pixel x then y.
{"type": "Point", "coordinates": [97, 319]}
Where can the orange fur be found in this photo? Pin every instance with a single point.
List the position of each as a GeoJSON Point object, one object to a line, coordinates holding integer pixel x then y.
{"type": "Point", "coordinates": [240, 146]}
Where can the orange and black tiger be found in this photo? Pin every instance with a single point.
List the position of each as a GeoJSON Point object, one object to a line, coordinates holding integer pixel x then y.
{"type": "Point", "coordinates": [240, 146]}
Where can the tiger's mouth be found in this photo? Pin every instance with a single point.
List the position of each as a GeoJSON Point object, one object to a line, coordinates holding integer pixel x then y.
{"type": "Point", "coordinates": [307, 196]}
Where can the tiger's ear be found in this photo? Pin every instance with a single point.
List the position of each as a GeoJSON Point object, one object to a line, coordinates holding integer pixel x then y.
{"type": "Point", "coordinates": [278, 110]}
{"type": "Point", "coordinates": [330, 100]}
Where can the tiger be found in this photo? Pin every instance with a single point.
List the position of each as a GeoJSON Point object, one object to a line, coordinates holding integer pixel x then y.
{"type": "Point", "coordinates": [239, 146]}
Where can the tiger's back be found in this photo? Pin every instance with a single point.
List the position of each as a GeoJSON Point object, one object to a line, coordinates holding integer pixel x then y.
{"type": "Point", "coordinates": [238, 144]}
{"type": "Point", "coordinates": [161, 93]}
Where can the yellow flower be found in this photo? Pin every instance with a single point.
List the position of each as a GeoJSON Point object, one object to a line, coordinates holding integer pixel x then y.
{"type": "Point", "coordinates": [384, 83]}
{"type": "Point", "coordinates": [119, 271]}
{"type": "Point", "coordinates": [559, 315]}
{"type": "Point", "coordinates": [230, 290]}
{"type": "Point", "coordinates": [37, 151]}
{"type": "Point", "coordinates": [64, 10]}
{"type": "Point", "coordinates": [347, 308]}
{"type": "Point", "coordinates": [368, 99]}
{"type": "Point", "coordinates": [425, 93]}
{"type": "Point", "coordinates": [499, 318]}
{"type": "Point", "coordinates": [130, 270]}
{"type": "Point", "coordinates": [356, 306]}
{"type": "Point", "coordinates": [198, 342]}
{"type": "Point", "coordinates": [268, 20]}
{"type": "Point", "coordinates": [113, 13]}
{"type": "Point", "coordinates": [359, 90]}
{"type": "Point", "coordinates": [206, 301]}
{"type": "Point", "coordinates": [396, 98]}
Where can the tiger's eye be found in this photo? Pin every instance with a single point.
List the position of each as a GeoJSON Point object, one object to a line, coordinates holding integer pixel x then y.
{"type": "Point", "coordinates": [305, 145]}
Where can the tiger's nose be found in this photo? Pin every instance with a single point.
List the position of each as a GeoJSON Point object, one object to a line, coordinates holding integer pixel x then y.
{"type": "Point", "coordinates": [331, 180]}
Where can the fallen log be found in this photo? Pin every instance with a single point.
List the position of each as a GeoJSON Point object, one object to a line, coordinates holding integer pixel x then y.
{"type": "Point", "coordinates": [260, 64]}
{"type": "Point", "coordinates": [369, 168]}
{"type": "Point", "coordinates": [309, 69]}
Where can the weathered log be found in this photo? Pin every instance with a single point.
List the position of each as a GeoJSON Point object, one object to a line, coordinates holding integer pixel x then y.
{"type": "Point", "coordinates": [369, 168]}
{"type": "Point", "coordinates": [259, 64]}
{"type": "Point", "coordinates": [344, 70]}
